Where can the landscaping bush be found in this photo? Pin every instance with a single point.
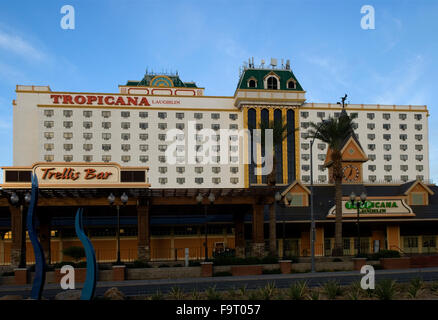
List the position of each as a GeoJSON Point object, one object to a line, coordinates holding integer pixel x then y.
{"type": "Point", "coordinates": [272, 271]}
{"type": "Point", "coordinates": [384, 254]}
{"type": "Point", "coordinates": [74, 252]}
{"type": "Point", "coordinates": [332, 289]}
{"type": "Point", "coordinates": [337, 260]}
{"type": "Point", "coordinates": [228, 260]}
{"type": "Point", "coordinates": [138, 264]}
{"type": "Point", "coordinates": [297, 290]}
{"type": "Point", "coordinates": [222, 274]}
{"type": "Point", "coordinates": [416, 286]}
{"type": "Point", "coordinates": [386, 289]}
{"type": "Point", "coordinates": [226, 253]}
{"type": "Point", "coordinates": [194, 264]}
{"type": "Point", "coordinates": [268, 292]}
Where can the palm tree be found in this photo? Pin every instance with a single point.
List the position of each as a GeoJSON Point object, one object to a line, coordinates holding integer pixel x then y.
{"type": "Point", "coordinates": [280, 132]}
{"type": "Point", "coordinates": [334, 132]}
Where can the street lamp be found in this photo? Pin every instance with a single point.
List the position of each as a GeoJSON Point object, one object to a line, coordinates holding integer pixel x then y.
{"type": "Point", "coordinates": [17, 202]}
{"type": "Point", "coordinates": [199, 199]}
{"type": "Point", "coordinates": [358, 204]}
{"type": "Point", "coordinates": [111, 199]}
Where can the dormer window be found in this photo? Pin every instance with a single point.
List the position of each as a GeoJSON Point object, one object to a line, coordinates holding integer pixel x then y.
{"type": "Point", "coordinates": [252, 83]}
{"type": "Point", "coordinates": [291, 84]}
{"type": "Point", "coordinates": [272, 83]}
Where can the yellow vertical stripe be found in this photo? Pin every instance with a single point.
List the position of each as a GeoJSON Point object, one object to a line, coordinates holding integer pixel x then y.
{"type": "Point", "coordinates": [245, 148]}
{"type": "Point", "coordinates": [297, 145]}
{"type": "Point", "coordinates": [271, 118]}
{"type": "Point", "coordinates": [284, 119]}
{"type": "Point", "coordinates": [259, 147]}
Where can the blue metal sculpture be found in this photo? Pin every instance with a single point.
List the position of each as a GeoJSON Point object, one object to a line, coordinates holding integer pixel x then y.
{"type": "Point", "coordinates": [40, 261]}
{"type": "Point", "coordinates": [90, 280]}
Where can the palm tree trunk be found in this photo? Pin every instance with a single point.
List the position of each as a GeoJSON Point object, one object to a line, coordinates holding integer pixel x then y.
{"type": "Point", "coordinates": [337, 176]}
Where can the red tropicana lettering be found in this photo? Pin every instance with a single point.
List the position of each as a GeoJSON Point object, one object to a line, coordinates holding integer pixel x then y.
{"type": "Point", "coordinates": [107, 100]}
{"type": "Point", "coordinates": [80, 99]}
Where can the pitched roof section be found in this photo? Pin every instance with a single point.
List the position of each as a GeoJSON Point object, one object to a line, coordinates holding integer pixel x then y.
{"type": "Point", "coordinates": [154, 80]}
{"type": "Point", "coordinates": [260, 74]}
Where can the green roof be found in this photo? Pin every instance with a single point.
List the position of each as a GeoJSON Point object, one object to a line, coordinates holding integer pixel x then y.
{"type": "Point", "coordinates": [260, 74]}
{"type": "Point", "coordinates": [163, 80]}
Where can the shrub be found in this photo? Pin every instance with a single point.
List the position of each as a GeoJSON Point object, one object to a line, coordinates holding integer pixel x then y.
{"type": "Point", "coordinates": [222, 274]}
{"type": "Point", "coordinates": [137, 264]}
{"type": "Point", "coordinates": [434, 286]}
{"type": "Point", "coordinates": [176, 293]}
{"type": "Point", "coordinates": [194, 263]}
{"type": "Point", "coordinates": [384, 254]}
{"type": "Point", "coordinates": [269, 260]}
{"type": "Point", "coordinates": [272, 271]}
{"type": "Point", "coordinates": [157, 296]}
{"type": "Point", "coordinates": [337, 260]}
{"type": "Point", "coordinates": [212, 294]}
{"type": "Point", "coordinates": [355, 290]}
{"type": "Point", "coordinates": [195, 295]}
{"type": "Point", "coordinates": [386, 289]}
{"type": "Point", "coordinates": [226, 253]}
{"type": "Point", "coordinates": [267, 293]}
{"type": "Point", "coordinates": [178, 265]}
{"type": "Point", "coordinates": [74, 252]}
{"type": "Point", "coordinates": [416, 286]}
{"type": "Point", "coordinates": [314, 294]}
{"type": "Point", "coordinates": [163, 266]}
{"type": "Point", "coordinates": [332, 289]}
{"type": "Point", "coordinates": [242, 291]}
{"type": "Point", "coordinates": [297, 290]}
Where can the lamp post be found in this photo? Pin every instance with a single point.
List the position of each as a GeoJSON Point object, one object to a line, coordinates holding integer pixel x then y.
{"type": "Point", "coordinates": [111, 199]}
{"type": "Point", "coordinates": [199, 199]}
{"type": "Point", "coordinates": [21, 202]}
{"type": "Point", "coordinates": [278, 198]}
{"type": "Point", "coordinates": [358, 204]}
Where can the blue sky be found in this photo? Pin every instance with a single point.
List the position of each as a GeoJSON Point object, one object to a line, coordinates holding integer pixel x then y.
{"type": "Point", "coordinates": [207, 42]}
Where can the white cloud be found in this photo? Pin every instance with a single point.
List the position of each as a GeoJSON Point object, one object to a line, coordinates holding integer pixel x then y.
{"type": "Point", "coordinates": [15, 44]}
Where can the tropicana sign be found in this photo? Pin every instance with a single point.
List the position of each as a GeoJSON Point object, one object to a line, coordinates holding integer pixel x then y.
{"type": "Point", "coordinates": [372, 208]}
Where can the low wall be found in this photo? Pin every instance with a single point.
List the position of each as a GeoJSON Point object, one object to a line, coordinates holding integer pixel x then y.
{"type": "Point", "coordinates": [163, 273]}
{"type": "Point", "coordinates": [323, 266]}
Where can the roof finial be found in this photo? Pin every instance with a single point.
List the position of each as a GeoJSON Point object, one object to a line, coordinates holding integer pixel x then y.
{"type": "Point", "coordinates": [343, 101]}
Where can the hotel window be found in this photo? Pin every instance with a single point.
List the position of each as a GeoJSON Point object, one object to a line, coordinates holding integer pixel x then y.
{"type": "Point", "coordinates": [420, 177]}
{"type": "Point", "coordinates": [161, 126]}
{"type": "Point", "coordinates": [371, 126]}
{"type": "Point", "coordinates": [371, 136]}
{"type": "Point", "coordinates": [337, 114]}
{"type": "Point", "coordinates": [234, 180]}
{"type": "Point", "coordinates": [304, 135]}
{"type": "Point", "coordinates": [48, 146]}
{"type": "Point", "coordinates": [321, 167]}
{"type": "Point", "coordinates": [199, 126]}
{"type": "Point", "coordinates": [418, 127]}
{"type": "Point", "coordinates": [216, 180]}
{"type": "Point", "coordinates": [403, 137]}
{"type": "Point", "coordinates": [404, 178]}
{"type": "Point", "coordinates": [87, 135]}
{"type": "Point", "coordinates": [199, 169]}
{"type": "Point", "coordinates": [106, 125]}
{"type": "Point", "coordinates": [305, 125]}
{"type": "Point", "coordinates": [387, 167]}
{"type": "Point", "coordinates": [418, 147]}
{"type": "Point", "coordinates": [214, 126]}
{"type": "Point", "coordinates": [372, 178]}
{"type": "Point", "coordinates": [386, 116]}
{"type": "Point", "coordinates": [87, 113]}
{"type": "Point", "coordinates": [49, 157]}
{"type": "Point", "coordinates": [143, 136]}
{"type": "Point", "coordinates": [305, 146]}
{"type": "Point", "coordinates": [49, 135]}
{"type": "Point", "coordinates": [180, 169]}
{"type": "Point", "coordinates": [125, 125]}
{"type": "Point", "coordinates": [199, 180]}
{"type": "Point", "coordinates": [180, 137]}
{"type": "Point", "coordinates": [419, 167]}
{"type": "Point", "coordinates": [162, 180]}
{"type": "Point", "coordinates": [372, 157]}
{"type": "Point", "coordinates": [410, 242]}
{"type": "Point", "coordinates": [68, 135]}
{"type": "Point", "coordinates": [180, 126]}
{"type": "Point", "coordinates": [234, 159]}
{"type": "Point", "coordinates": [419, 157]}
{"type": "Point", "coordinates": [126, 147]}
{"type": "Point", "coordinates": [320, 115]}
{"type": "Point", "coordinates": [125, 114]}
{"type": "Point", "coordinates": [198, 159]}
{"type": "Point", "coordinates": [355, 125]}
{"type": "Point", "coordinates": [144, 147]}
{"type": "Point", "coordinates": [388, 178]}
{"type": "Point", "coordinates": [162, 159]}
{"type": "Point", "coordinates": [49, 113]}
{"type": "Point", "coordinates": [372, 167]}
{"type": "Point", "coordinates": [371, 146]}
{"type": "Point", "coordinates": [216, 170]}
{"type": "Point", "coordinates": [306, 178]}
{"type": "Point", "coordinates": [216, 159]}
{"type": "Point", "coordinates": [386, 147]}
{"type": "Point", "coordinates": [144, 158]}
{"type": "Point", "coordinates": [180, 180]}
{"type": "Point", "coordinates": [272, 83]}
{"type": "Point", "coordinates": [198, 137]}
{"type": "Point", "coordinates": [354, 115]}
{"type": "Point", "coordinates": [403, 126]}
{"type": "Point", "coordinates": [49, 124]}
{"type": "Point", "coordinates": [370, 116]}
{"type": "Point", "coordinates": [162, 170]}
{"type": "Point", "coordinates": [106, 114]}
{"type": "Point", "coordinates": [215, 116]}
{"type": "Point", "coordinates": [106, 136]}
{"type": "Point", "coordinates": [106, 158]}
{"type": "Point", "coordinates": [234, 148]}
{"type": "Point", "coordinates": [387, 137]}
{"type": "Point", "coordinates": [88, 158]}
{"type": "Point", "coordinates": [106, 147]}
{"type": "Point", "coordinates": [321, 157]}
{"type": "Point", "coordinates": [234, 127]}
{"type": "Point", "coordinates": [143, 114]}
{"type": "Point", "coordinates": [305, 156]}
{"type": "Point", "coordinates": [321, 146]}
{"type": "Point", "coordinates": [179, 115]}
{"type": "Point", "coordinates": [322, 178]}
{"type": "Point", "coordinates": [402, 116]}
{"type": "Point", "coordinates": [404, 167]}
{"type": "Point", "coordinates": [234, 169]}
{"type": "Point", "coordinates": [125, 136]}
{"type": "Point", "coordinates": [417, 116]}
{"type": "Point", "coordinates": [387, 157]}
{"type": "Point", "coordinates": [126, 158]}
{"type": "Point", "coordinates": [403, 147]}
{"type": "Point", "coordinates": [162, 147]}
{"type": "Point", "coordinates": [304, 114]}
{"type": "Point", "coordinates": [233, 137]}
{"type": "Point", "coordinates": [68, 146]}
{"type": "Point", "coordinates": [162, 115]}
{"type": "Point", "coordinates": [216, 148]}
{"type": "Point", "coordinates": [198, 115]}
{"type": "Point", "coordinates": [68, 158]}
{"type": "Point", "coordinates": [68, 124]}
{"type": "Point", "coordinates": [67, 113]}
{"type": "Point", "coordinates": [305, 167]}
{"type": "Point", "coordinates": [88, 147]}
{"type": "Point", "coordinates": [180, 148]}
{"type": "Point", "coordinates": [419, 137]}
{"type": "Point", "coordinates": [233, 116]}
{"type": "Point", "coordinates": [88, 124]}
{"type": "Point", "coordinates": [162, 136]}
{"type": "Point", "coordinates": [386, 126]}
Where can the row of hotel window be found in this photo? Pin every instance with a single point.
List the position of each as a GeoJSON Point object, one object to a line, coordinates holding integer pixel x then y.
{"type": "Point", "coordinates": [142, 147]}
{"type": "Point", "coordinates": [371, 178]}
{"type": "Point", "coordinates": [142, 158]}
{"type": "Point", "coordinates": [371, 157]}
{"type": "Point", "coordinates": [372, 126]}
{"type": "Point", "coordinates": [371, 116]}
{"type": "Point", "coordinates": [215, 180]}
{"type": "Point", "coordinates": [142, 125]}
{"type": "Point", "coordinates": [141, 136]}
{"type": "Point", "coordinates": [141, 114]}
{"type": "Point", "coordinates": [387, 137]}
{"type": "Point", "coordinates": [387, 147]}
{"type": "Point", "coordinates": [371, 167]}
